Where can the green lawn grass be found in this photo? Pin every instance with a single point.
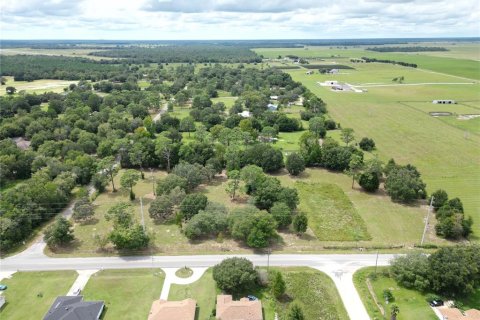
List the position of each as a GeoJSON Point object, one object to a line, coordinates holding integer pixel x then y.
{"type": "Point", "coordinates": [128, 294]}
{"type": "Point", "coordinates": [30, 294]}
{"type": "Point", "coordinates": [331, 214]}
{"type": "Point", "coordinates": [204, 291]}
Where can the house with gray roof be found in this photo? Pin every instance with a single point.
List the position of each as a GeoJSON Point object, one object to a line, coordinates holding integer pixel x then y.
{"type": "Point", "coordinates": [74, 308]}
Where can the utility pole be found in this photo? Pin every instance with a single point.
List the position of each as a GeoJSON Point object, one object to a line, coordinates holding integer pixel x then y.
{"type": "Point", "coordinates": [376, 263]}
{"type": "Point", "coordinates": [269, 251]}
{"type": "Point", "coordinates": [153, 180]}
{"type": "Point", "coordinates": [430, 207]}
{"type": "Point", "coordinates": [141, 209]}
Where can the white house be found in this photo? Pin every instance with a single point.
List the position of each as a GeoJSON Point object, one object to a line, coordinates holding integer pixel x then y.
{"type": "Point", "coordinates": [272, 107]}
{"type": "Point", "coordinates": [245, 114]}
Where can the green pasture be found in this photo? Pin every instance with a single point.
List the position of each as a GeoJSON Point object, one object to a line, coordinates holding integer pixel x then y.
{"type": "Point", "coordinates": [446, 156]}
{"type": "Point", "coordinates": [36, 86]}
{"type": "Point", "coordinates": [454, 66]}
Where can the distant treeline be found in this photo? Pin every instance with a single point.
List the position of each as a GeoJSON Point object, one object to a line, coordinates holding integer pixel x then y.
{"type": "Point", "coordinates": [280, 43]}
{"type": "Point", "coordinates": [188, 54]}
{"type": "Point", "coordinates": [326, 66]}
{"type": "Point", "coordinates": [405, 64]}
{"type": "Point", "coordinates": [34, 67]}
{"type": "Point", "coordinates": [406, 49]}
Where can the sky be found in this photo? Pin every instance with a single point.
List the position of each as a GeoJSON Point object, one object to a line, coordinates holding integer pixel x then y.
{"type": "Point", "coordinates": [241, 19]}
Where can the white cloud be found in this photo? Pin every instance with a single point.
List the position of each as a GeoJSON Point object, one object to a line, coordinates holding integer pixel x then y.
{"type": "Point", "coordinates": [229, 19]}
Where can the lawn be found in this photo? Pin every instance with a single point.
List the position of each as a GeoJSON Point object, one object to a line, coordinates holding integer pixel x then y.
{"type": "Point", "coordinates": [331, 214]}
{"type": "Point", "coordinates": [412, 304]}
{"type": "Point", "coordinates": [30, 294]}
{"type": "Point", "coordinates": [128, 294]}
{"type": "Point", "coordinates": [180, 112]}
{"type": "Point", "coordinates": [204, 291]}
{"type": "Point", "coordinates": [312, 289]}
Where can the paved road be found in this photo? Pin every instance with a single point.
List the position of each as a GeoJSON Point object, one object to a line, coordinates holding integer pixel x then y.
{"type": "Point", "coordinates": [340, 267]}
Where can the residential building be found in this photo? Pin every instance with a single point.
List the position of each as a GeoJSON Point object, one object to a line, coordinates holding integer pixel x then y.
{"type": "Point", "coordinates": [173, 310]}
{"type": "Point", "coordinates": [74, 308]}
{"type": "Point", "coordinates": [244, 309]}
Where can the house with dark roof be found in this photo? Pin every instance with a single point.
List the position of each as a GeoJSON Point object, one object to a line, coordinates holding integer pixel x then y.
{"type": "Point", "coordinates": [244, 309]}
{"type": "Point", "coordinates": [74, 308]}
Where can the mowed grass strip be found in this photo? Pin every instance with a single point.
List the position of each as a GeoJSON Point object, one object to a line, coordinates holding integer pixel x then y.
{"type": "Point", "coordinates": [331, 214]}
{"type": "Point", "coordinates": [128, 294]}
{"type": "Point", "coordinates": [204, 291]}
{"type": "Point", "coordinates": [314, 291]}
{"type": "Point", "coordinates": [30, 294]}
{"type": "Point", "coordinates": [412, 304]}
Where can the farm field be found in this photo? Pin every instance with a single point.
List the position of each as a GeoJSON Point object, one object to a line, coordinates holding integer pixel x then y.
{"type": "Point", "coordinates": [128, 294]}
{"type": "Point", "coordinates": [459, 67]}
{"type": "Point", "coordinates": [36, 86]}
{"type": "Point", "coordinates": [312, 289]}
{"type": "Point", "coordinates": [32, 293]}
{"type": "Point", "coordinates": [82, 53]}
{"type": "Point", "coordinates": [444, 154]}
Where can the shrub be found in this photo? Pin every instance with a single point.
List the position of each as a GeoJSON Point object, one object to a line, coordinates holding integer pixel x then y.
{"type": "Point", "coordinates": [369, 181]}
{"type": "Point", "coordinates": [367, 144]}
{"type": "Point", "coordinates": [282, 214]}
{"type": "Point", "coordinates": [192, 204]}
{"type": "Point", "coordinates": [295, 164]}
{"type": "Point", "coordinates": [440, 198]}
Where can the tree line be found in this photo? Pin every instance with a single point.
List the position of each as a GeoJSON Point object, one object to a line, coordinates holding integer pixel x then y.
{"type": "Point", "coordinates": [406, 49]}
{"type": "Point", "coordinates": [405, 64]}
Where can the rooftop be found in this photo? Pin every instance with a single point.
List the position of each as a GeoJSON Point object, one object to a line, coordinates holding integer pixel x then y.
{"type": "Point", "coordinates": [168, 310]}
{"type": "Point", "coordinates": [455, 314]}
{"type": "Point", "coordinates": [227, 309]}
{"type": "Point", "coordinates": [74, 308]}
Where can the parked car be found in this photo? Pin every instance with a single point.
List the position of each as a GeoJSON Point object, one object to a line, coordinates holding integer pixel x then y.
{"type": "Point", "coordinates": [436, 303]}
{"type": "Point", "coordinates": [3, 287]}
{"type": "Point", "coordinates": [252, 298]}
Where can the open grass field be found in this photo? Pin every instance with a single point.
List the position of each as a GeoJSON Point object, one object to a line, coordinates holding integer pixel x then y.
{"type": "Point", "coordinates": [312, 289]}
{"type": "Point", "coordinates": [412, 304]}
{"type": "Point", "coordinates": [180, 112]}
{"type": "Point", "coordinates": [465, 65]}
{"type": "Point", "coordinates": [446, 156]}
{"type": "Point", "coordinates": [30, 294]}
{"type": "Point", "coordinates": [331, 214]}
{"type": "Point", "coordinates": [204, 291]}
{"type": "Point", "coordinates": [387, 223]}
{"type": "Point", "coordinates": [36, 86]}
{"type": "Point", "coordinates": [82, 53]}
{"type": "Point", "coordinates": [128, 294]}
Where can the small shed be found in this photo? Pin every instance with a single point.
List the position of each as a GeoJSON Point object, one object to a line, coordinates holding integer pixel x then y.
{"type": "Point", "coordinates": [272, 107]}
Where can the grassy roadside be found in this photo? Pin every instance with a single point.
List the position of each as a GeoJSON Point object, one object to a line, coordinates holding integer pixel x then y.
{"type": "Point", "coordinates": [412, 304]}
